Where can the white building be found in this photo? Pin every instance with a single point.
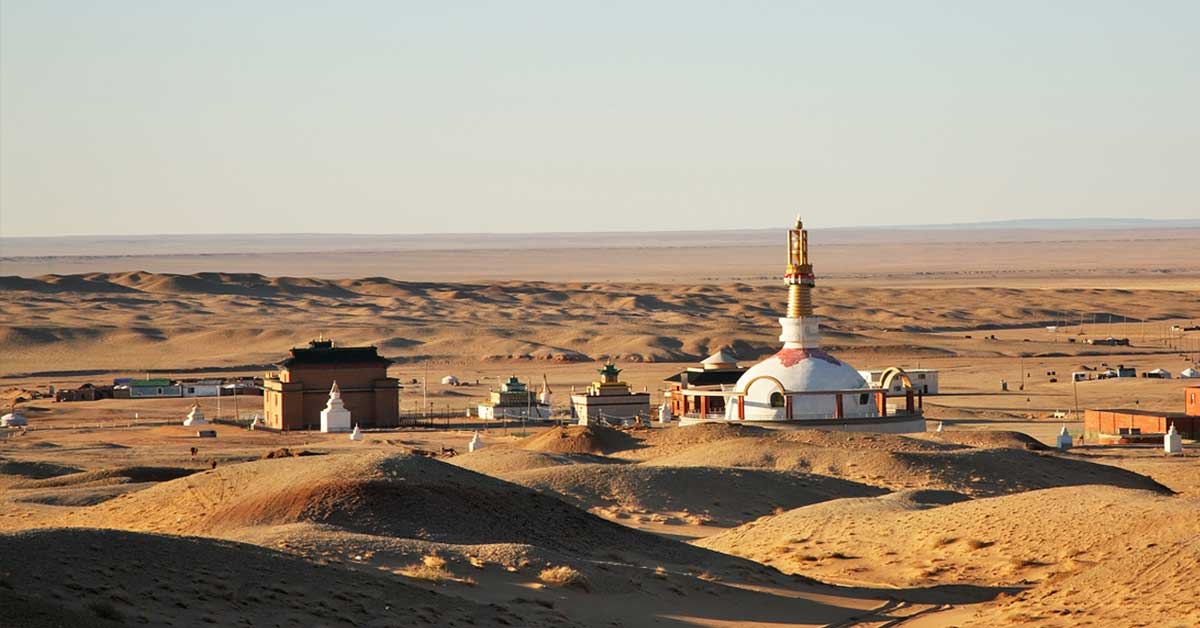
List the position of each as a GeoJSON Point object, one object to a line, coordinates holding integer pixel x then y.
{"type": "Point", "coordinates": [200, 388]}
{"type": "Point", "coordinates": [609, 400]}
{"type": "Point", "coordinates": [514, 400]}
{"type": "Point", "coordinates": [924, 381]}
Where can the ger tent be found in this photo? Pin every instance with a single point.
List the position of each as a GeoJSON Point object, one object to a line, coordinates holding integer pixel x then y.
{"type": "Point", "coordinates": [13, 419]}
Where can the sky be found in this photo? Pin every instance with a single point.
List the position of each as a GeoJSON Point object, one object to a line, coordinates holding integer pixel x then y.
{"type": "Point", "coordinates": [524, 116]}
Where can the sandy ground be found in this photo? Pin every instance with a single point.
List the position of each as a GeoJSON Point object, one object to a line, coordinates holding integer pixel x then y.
{"type": "Point", "coordinates": [980, 525]}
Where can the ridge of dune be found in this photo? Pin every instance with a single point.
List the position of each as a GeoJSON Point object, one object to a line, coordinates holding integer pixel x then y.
{"type": "Point", "coordinates": [393, 495]}
{"type": "Point", "coordinates": [899, 463]}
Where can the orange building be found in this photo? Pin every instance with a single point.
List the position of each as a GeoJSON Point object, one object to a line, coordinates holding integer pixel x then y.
{"type": "Point", "coordinates": [1131, 423]}
{"type": "Point", "coordinates": [294, 396]}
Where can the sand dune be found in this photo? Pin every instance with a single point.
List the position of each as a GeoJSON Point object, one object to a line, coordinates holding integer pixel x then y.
{"type": "Point", "coordinates": [898, 463]}
{"type": "Point", "coordinates": [1078, 546]}
{"type": "Point", "coordinates": [377, 494]}
{"type": "Point", "coordinates": [139, 320]}
{"type": "Point", "coordinates": [113, 578]}
{"type": "Point", "coordinates": [700, 495]}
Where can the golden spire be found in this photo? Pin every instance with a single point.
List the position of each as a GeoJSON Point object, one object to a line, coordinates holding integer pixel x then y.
{"type": "Point", "coordinates": [799, 276]}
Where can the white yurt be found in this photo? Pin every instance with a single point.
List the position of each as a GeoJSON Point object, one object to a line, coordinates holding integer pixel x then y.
{"type": "Point", "coordinates": [13, 419]}
{"type": "Point", "coordinates": [450, 380]}
{"type": "Point", "coordinates": [1189, 373]}
{"type": "Point", "coordinates": [1159, 374]}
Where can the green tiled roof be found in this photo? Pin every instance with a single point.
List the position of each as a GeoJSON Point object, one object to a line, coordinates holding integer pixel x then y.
{"type": "Point", "coordinates": [140, 383]}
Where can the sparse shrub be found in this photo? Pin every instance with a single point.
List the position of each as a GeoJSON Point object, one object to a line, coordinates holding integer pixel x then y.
{"type": "Point", "coordinates": [566, 577]}
{"type": "Point", "coordinates": [432, 568]}
{"type": "Point", "coordinates": [944, 541]}
{"type": "Point", "coordinates": [977, 544]}
{"type": "Point", "coordinates": [105, 610]}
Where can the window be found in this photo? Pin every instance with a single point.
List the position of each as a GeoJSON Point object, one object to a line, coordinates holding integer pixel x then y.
{"type": "Point", "coordinates": [862, 399]}
{"type": "Point", "coordinates": [191, 390]}
{"type": "Point", "coordinates": [920, 376]}
{"type": "Point", "coordinates": [777, 400]}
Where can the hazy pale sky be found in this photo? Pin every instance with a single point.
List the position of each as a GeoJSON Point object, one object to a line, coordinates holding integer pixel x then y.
{"type": "Point", "coordinates": [403, 117]}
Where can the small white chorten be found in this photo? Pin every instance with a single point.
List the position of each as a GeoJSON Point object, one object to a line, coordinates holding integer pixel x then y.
{"type": "Point", "coordinates": [356, 434]}
{"type": "Point", "coordinates": [195, 416]}
{"type": "Point", "coordinates": [335, 417]}
{"type": "Point", "coordinates": [1172, 441]}
{"type": "Point", "coordinates": [664, 412]}
{"type": "Point", "coordinates": [546, 397]}
{"type": "Point", "coordinates": [475, 443]}
{"type": "Point", "coordinates": [256, 423]}
{"type": "Point", "coordinates": [941, 426]}
{"type": "Point", "coordinates": [1064, 441]}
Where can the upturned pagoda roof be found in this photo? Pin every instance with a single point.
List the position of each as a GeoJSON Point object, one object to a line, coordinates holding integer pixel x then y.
{"type": "Point", "coordinates": [322, 352]}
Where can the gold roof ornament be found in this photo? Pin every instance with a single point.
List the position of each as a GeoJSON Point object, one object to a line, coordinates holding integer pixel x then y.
{"type": "Point", "coordinates": [799, 275]}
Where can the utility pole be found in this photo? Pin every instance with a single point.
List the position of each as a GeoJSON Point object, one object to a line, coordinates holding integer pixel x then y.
{"type": "Point", "coordinates": [1075, 386]}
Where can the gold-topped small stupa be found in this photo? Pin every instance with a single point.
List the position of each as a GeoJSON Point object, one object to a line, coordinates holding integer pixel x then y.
{"type": "Point", "coordinates": [610, 399]}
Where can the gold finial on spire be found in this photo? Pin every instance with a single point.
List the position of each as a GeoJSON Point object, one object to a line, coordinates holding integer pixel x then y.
{"type": "Point", "coordinates": [799, 275]}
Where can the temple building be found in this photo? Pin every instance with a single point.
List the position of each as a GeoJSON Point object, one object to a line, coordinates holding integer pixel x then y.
{"type": "Point", "coordinates": [719, 371]}
{"type": "Point", "coordinates": [609, 400]}
{"type": "Point", "coordinates": [802, 385]}
{"type": "Point", "coordinates": [294, 397]}
{"type": "Point", "coordinates": [514, 400]}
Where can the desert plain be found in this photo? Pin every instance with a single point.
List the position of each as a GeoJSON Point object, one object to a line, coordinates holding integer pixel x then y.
{"type": "Point", "coordinates": [107, 518]}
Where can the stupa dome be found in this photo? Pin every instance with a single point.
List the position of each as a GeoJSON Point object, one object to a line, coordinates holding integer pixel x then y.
{"type": "Point", "coordinates": [800, 370]}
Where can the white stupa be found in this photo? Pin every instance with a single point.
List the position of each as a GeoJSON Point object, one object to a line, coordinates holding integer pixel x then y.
{"type": "Point", "coordinates": [941, 426]}
{"type": "Point", "coordinates": [475, 443]}
{"type": "Point", "coordinates": [13, 419]}
{"type": "Point", "coordinates": [356, 434]}
{"type": "Point", "coordinates": [195, 416]}
{"type": "Point", "coordinates": [1172, 441]}
{"type": "Point", "coordinates": [546, 396]}
{"type": "Point", "coordinates": [1064, 441]}
{"type": "Point", "coordinates": [664, 412]}
{"type": "Point", "coordinates": [335, 417]}
{"type": "Point", "coordinates": [801, 365]}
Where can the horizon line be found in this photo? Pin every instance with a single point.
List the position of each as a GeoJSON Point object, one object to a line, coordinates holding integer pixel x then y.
{"type": "Point", "coordinates": [1014, 223]}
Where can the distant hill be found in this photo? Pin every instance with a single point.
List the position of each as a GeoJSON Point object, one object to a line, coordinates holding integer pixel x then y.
{"type": "Point", "coordinates": [1066, 223]}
